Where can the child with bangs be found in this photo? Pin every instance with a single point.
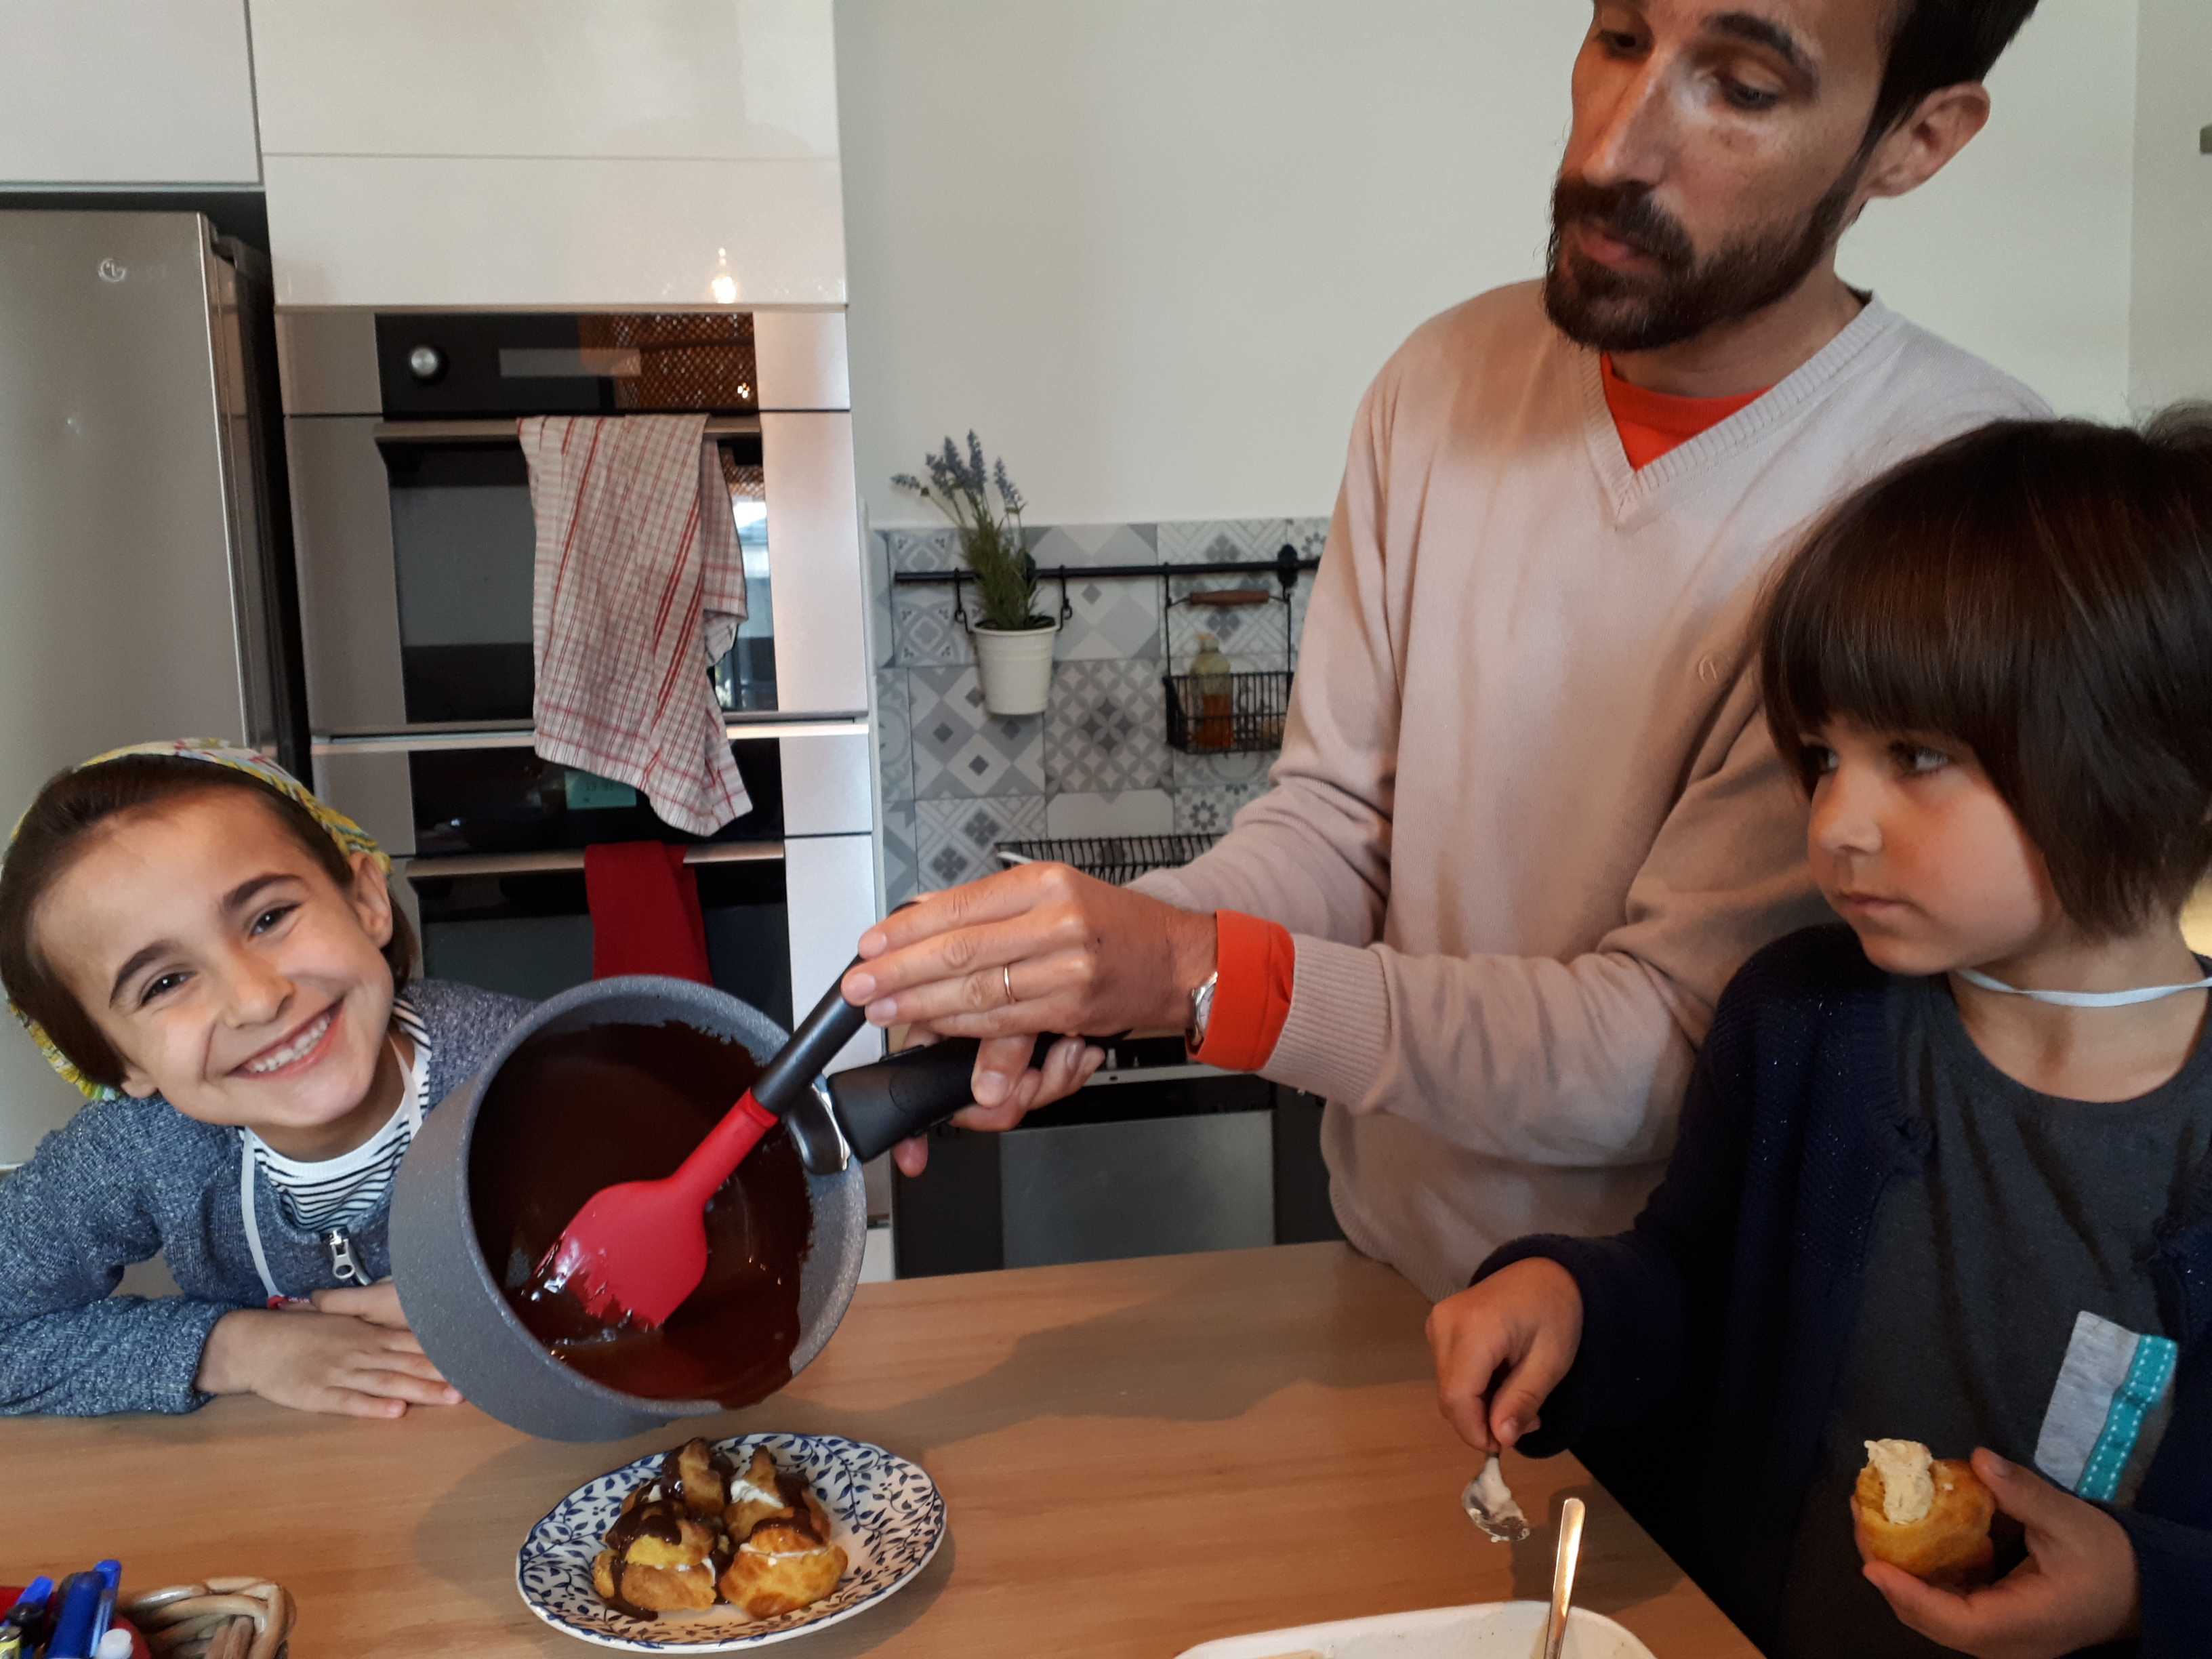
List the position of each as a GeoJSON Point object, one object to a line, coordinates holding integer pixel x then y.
{"type": "Point", "coordinates": [1944, 1174]}
{"type": "Point", "coordinates": [212, 955]}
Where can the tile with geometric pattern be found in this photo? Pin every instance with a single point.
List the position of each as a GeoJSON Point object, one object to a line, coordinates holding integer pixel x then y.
{"type": "Point", "coordinates": [1207, 809]}
{"type": "Point", "coordinates": [1107, 727]}
{"type": "Point", "coordinates": [956, 836]}
{"type": "Point", "coordinates": [902, 853]}
{"type": "Point", "coordinates": [894, 735]}
{"type": "Point", "coordinates": [1188, 771]}
{"type": "Point", "coordinates": [959, 750]}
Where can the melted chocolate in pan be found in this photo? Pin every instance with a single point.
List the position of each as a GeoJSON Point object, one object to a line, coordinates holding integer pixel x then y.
{"type": "Point", "coordinates": [575, 1111]}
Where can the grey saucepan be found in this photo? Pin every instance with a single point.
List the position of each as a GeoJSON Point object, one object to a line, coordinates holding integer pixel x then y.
{"type": "Point", "coordinates": [452, 1295]}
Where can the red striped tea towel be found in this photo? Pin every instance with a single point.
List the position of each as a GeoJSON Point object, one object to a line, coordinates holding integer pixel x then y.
{"type": "Point", "coordinates": [640, 586]}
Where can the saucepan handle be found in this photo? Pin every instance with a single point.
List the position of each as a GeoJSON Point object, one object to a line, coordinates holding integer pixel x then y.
{"type": "Point", "coordinates": [880, 1105]}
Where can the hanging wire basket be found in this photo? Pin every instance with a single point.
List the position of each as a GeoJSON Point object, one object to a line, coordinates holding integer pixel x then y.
{"type": "Point", "coordinates": [1227, 713]}
{"type": "Point", "coordinates": [1118, 859]}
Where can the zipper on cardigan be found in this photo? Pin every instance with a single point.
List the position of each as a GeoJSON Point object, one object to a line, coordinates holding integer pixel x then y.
{"type": "Point", "coordinates": [345, 1263]}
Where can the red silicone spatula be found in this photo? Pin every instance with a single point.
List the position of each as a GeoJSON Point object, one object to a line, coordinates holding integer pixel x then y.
{"type": "Point", "coordinates": [636, 1250]}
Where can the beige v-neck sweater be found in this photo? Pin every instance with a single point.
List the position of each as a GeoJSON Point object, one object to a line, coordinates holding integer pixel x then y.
{"type": "Point", "coordinates": [1527, 821]}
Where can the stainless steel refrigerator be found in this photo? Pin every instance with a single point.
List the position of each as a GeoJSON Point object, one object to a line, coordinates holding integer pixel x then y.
{"type": "Point", "coordinates": [144, 541]}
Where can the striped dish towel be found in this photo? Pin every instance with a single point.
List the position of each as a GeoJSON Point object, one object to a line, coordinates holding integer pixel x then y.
{"type": "Point", "coordinates": [639, 588]}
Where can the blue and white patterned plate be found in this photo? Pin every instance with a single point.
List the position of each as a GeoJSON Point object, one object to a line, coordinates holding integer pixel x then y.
{"type": "Point", "coordinates": [887, 1513]}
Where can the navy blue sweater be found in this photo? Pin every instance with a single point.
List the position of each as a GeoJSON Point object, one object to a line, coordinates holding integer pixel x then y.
{"type": "Point", "coordinates": [1715, 1330]}
{"type": "Point", "coordinates": [124, 1180]}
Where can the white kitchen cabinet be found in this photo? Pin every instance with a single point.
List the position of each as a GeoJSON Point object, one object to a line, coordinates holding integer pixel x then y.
{"type": "Point", "coordinates": [125, 92]}
{"type": "Point", "coordinates": [586, 79]}
{"type": "Point", "coordinates": [528, 153]}
{"type": "Point", "coordinates": [515, 232]}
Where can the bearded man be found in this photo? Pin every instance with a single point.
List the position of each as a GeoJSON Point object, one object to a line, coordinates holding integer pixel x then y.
{"type": "Point", "coordinates": [1527, 821]}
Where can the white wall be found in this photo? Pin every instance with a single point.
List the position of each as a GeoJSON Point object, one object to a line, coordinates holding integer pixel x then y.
{"type": "Point", "coordinates": [115, 92]}
{"type": "Point", "coordinates": [2171, 354]}
{"type": "Point", "coordinates": [1153, 250]}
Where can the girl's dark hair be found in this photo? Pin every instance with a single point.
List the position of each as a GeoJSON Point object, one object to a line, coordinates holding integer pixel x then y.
{"type": "Point", "coordinates": [70, 805]}
{"type": "Point", "coordinates": [2040, 591]}
{"type": "Point", "coordinates": [1933, 44]}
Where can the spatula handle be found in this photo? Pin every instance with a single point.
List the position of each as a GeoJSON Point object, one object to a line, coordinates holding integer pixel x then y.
{"type": "Point", "coordinates": [880, 1105]}
{"type": "Point", "coordinates": [812, 1046]}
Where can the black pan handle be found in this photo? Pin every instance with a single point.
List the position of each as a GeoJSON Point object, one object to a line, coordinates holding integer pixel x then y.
{"type": "Point", "coordinates": [880, 1105]}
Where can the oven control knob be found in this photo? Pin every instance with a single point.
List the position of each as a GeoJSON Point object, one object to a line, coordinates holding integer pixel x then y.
{"type": "Point", "coordinates": [426, 363]}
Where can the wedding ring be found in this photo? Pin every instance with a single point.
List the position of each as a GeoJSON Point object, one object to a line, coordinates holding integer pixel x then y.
{"type": "Point", "coordinates": [1006, 972]}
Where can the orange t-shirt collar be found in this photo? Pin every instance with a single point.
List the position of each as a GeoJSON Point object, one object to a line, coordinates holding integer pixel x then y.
{"type": "Point", "coordinates": [1652, 422]}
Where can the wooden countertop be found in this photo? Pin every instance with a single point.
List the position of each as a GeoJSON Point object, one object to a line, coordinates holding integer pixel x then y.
{"type": "Point", "coordinates": [1136, 1457]}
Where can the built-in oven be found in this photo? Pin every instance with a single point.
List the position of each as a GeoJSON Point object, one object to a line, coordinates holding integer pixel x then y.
{"type": "Point", "coordinates": [415, 550]}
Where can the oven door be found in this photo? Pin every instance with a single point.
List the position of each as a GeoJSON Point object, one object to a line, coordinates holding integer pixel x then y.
{"type": "Point", "coordinates": [416, 542]}
{"type": "Point", "coordinates": [464, 554]}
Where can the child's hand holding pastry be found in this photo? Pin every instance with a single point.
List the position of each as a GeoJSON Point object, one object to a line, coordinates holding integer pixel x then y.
{"type": "Point", "coordinates": [351, 1354]}
{"type": "Point", "coordinates": [1502, 1347]}
{"type": "Point", "coordinates": [2077, 1588]}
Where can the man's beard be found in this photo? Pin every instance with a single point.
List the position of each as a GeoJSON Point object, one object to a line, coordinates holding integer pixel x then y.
{"type": "Point", "coordinates": [1643, 310]}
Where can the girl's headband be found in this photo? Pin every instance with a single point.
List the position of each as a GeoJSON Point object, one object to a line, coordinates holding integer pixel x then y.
{"type": "Point", "coordinates": [350, 837]}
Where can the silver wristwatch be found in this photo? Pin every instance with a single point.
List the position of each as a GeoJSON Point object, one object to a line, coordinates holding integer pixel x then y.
{"type": "Point", "coordinates": [1201, 1010]}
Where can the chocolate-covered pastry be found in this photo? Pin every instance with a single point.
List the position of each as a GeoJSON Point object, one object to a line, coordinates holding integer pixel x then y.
{"type": "Point", "coordinates": [700, 1531]}
{"type": "Point", "coordinates": [660, 1558]}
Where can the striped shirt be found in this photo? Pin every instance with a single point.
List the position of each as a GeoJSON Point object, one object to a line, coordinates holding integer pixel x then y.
{"type": "Point", "coordinates": [343, 1191]}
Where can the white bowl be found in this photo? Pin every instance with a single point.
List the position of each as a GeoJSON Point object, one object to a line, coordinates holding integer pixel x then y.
{"type": "Point", "coordinates": [1494, 1630]}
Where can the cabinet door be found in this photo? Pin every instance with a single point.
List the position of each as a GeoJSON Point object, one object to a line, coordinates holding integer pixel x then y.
{"type": "Point", "coordinates": [148, 92]}
{"type": "Point", "coordinates": [510, 153]}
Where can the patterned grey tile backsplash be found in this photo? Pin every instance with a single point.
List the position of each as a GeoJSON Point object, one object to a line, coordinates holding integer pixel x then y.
{"type": "Point", "coordinates": [961, 750]}
{"type": "Point", "coordinates": [954, 780]}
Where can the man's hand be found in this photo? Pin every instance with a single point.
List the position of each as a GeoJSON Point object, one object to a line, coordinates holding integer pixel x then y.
{"type": "Point", "coordinates": [352, 1355]}
{"type": "Point", "coordinates": [2077, 1588]}
{"type": "Point", "coordinates": [1502, 1347]}
{"type": "Point", "coordinates": [1077, 955]}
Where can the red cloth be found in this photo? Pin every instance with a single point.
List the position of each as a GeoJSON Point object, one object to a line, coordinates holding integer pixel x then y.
{"type": "Point", "coordinates": [1256, 963]}
{"type": "Point", "coordinates": [1652, 422]}
{"type": "Point", "coordinates": [645, 911]}
{"type": "Point", "coordinates": [640, 586]}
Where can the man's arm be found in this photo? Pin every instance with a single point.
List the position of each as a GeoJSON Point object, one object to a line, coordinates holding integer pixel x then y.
{"type": "Point", "coordinates": [1577, 1062]}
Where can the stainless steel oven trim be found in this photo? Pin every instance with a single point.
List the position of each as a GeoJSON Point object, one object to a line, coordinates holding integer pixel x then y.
{"type": "Point", "coordinates": [503, 432]}
{"type": "Point", "coordinates": [572, 858]}
{"type": "Point", "coordinates": [380, 742]}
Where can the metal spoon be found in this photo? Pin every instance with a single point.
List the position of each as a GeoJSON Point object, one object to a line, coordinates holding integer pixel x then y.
{"type": "Point", "coordinates": [1490, 1505]}
{"type": "Point", "coordinates": [1563, 1575]}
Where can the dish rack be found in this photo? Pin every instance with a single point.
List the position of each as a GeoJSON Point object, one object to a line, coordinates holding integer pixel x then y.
{"type": "Point", "coordinates": [1116, 859]}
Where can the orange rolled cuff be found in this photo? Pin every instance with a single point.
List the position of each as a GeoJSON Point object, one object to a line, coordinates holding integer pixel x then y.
{"type": "Point", "coordinates": [1257, 963]}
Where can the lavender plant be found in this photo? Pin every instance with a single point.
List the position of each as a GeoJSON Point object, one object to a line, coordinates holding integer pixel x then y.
{"type": "Point", "coordinates": [990, 537]}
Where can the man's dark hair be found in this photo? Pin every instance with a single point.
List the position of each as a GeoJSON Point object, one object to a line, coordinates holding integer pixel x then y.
{"type": "Point", "coordinates": [74, 804]}
{"type": "Point", "coordinates": [1935, 44]}
{"type": "Point", "coordinates": [2041, 592]}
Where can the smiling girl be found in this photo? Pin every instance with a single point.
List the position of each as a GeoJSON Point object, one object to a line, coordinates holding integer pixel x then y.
{"type": "Point", "coordinates": [1944, 1176]}
{"type": "Point", "coordinates": [213, 957]}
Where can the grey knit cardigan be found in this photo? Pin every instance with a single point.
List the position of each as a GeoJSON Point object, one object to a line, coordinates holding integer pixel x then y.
{"type": "Point", "coordinates": [127, 1179]}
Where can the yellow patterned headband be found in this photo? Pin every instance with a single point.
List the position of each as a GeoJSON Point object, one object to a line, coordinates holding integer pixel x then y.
{"type": "Point", "coordinates": [350, 837]}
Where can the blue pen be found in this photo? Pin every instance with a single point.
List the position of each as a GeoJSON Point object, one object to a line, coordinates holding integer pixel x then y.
{"type": "Point", "coordinates": [79, 1597]}
{"type": "Point", "coordinates": [103, 1613]}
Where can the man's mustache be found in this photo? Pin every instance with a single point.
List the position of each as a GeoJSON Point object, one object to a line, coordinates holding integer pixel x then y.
{"type": "Point", "coordinates": [1627, 214]}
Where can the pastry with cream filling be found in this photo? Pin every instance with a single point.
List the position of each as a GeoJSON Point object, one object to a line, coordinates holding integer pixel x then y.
{"type": "Point", "coordinates": [700, 1531]}
{"type": "Point", "coordinates": [1930, 1515]}
{"type": "Point", "coordinates": [784, 1565]}
{"type": "Point", "coordinates": [659, 1557]}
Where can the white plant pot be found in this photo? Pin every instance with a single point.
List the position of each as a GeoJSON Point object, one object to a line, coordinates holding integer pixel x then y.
{"type": "Point", "coordinates": [1015, 665]}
